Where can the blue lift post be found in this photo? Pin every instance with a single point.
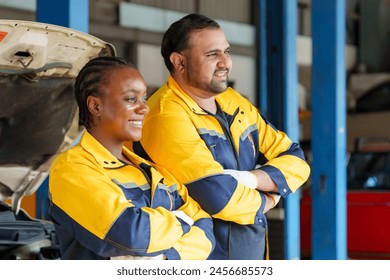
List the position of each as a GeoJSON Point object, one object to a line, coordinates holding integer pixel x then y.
{"type": "Point", "coordinates": [328, 130]}
{"type": "Point", "coordinates": [262, 54]}
{"type": "Point", "coordinates": [290, 119]}
{"type": "Point", "coordinates": [278, 92]}
{"type": "Point", "coordinates": [68, 13]}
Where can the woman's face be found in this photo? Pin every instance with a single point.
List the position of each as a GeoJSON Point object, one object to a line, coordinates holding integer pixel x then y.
{"type": "Point", "coordinates": [123, 105]}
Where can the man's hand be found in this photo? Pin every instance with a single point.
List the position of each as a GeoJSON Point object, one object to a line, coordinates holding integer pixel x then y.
{"type": "Point", "coordinates": [272, 200]}
{"type": "Point", "coordinates": [275, 197]}
{"type": "Point", "coordinates": [250, 180]}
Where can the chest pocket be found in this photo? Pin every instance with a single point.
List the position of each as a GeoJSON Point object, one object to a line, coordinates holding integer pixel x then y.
{"type": "Point", "coordinates": [138, 195]}
{"type": "Point", "coordinates": [218, 145]}
{"type": "Point", "coordinates": [162, 197]}
{"type": "Point", "coordinates": [248, 148]}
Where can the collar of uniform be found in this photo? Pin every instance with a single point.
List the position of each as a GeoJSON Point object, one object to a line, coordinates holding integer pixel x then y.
{"type": "Point", "coordinates": [99, 152]}
{"type": "Point", "coordinates": [184, 96]}
{"type": "Point", "coordinates": [155, 175]}
{"type": "Point", "coordinates": [229, 100]}
{"type": "Point", "coordinates": [133, 157]}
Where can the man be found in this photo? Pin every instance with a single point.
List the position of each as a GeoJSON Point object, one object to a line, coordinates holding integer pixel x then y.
{"type": "Point", "coordinates": [216, 142]}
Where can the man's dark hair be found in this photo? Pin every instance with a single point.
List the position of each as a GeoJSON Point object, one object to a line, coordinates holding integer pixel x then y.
{"type": "Point", "coordinates": [177, 35]}
{"type": "Point", "coordinates": [90, 79]}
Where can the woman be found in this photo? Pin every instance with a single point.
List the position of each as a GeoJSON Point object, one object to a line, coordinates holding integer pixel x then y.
{"type": "Point", "coordinates": [108, 202]}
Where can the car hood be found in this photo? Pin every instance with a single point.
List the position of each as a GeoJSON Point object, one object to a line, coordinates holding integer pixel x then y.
{"type": "Point", "coordinates": [38, 65]}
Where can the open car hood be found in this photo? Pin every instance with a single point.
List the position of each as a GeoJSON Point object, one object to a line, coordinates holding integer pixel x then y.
{"type": "Point", "coordinates": [38, 65]}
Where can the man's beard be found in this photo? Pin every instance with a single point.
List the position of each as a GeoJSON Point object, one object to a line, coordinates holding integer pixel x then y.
{"type": "Point", "coordinates": [218, 87]}
{"type": "Point", "coordinates": [215, 87]}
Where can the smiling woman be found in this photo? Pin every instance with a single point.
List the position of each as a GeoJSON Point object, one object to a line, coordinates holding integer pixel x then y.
{"type": "Point", "coordinates": [107, 202]}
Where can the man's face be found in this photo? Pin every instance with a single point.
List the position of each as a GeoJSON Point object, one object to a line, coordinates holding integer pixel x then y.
{"type": "Point", "coordinates": [208, 62]}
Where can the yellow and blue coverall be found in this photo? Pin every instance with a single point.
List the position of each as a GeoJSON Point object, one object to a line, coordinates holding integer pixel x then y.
{"type": "Point", "coordinates": [196, 146]}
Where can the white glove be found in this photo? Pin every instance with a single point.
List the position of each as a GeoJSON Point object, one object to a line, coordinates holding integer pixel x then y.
{"type": "Point", "coordinates": [130, 257]}
{"type": "Point", "coordinates": [180, 214]}
{"type": "Point", "coordinates": [244, 177]}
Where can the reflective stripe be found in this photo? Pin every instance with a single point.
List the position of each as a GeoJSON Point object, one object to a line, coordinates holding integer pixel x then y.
{"type": "Point", "coordinates": [131, 185]}
{"type": "Point", "coordinates": [171, 189]}
{"type": "Point", "coordinates": [203, 131]}
{"type": "Point", "coordinates": [248, 131]}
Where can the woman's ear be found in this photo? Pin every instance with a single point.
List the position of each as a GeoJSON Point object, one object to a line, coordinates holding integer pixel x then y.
{"type": "Point", "coordinates": [94, 106]}
{"type": "Point", "coordinates": [178, 61]}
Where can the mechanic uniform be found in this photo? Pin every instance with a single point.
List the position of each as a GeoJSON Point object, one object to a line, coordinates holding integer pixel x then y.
{"type": "Point", "coordinates": [103, 208]}
{"type": "Point", "coordinates": [196, 146]}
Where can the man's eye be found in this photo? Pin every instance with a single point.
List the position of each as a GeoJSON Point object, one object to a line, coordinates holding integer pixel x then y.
{"type": "Point", "coordinates": [212, 54]}
{"type": "Point", "coordinates": [145, 98]}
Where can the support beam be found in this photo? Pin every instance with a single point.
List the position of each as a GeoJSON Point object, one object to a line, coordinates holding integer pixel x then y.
{"type": "Point", "coordinates": [68, 13]}
{"type": "Point", "coordinates": [290, 121]}
{"type": "Point", "coordinates": [278, 92]}
{"type": "Point", "coordinates": [328, 130]}
{"type": "Point", "coordinates": [262, 57]}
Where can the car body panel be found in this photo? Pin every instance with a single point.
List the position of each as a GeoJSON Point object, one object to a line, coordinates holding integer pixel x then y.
{"type": "Point", "coordinates": [46, 50]}
{"type": "Point", "coordinates": [368, 226]}
{"type": "Point", "coordinates": [368, 230]}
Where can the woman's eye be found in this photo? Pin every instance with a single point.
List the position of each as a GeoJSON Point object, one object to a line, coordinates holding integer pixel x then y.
{"type": "Point", "coordinates": [132, 99]}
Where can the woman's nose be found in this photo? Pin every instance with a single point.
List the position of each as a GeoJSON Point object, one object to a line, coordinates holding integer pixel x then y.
{"type": "Point", "coordinates": [143, 108]}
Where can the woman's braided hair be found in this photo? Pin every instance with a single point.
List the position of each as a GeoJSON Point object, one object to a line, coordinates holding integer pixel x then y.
{"type": "Point", "coordinates": [90, 79]}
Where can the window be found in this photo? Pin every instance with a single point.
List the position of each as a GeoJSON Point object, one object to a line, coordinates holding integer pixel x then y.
{"type": "Point", "coordinates": [369, 170]}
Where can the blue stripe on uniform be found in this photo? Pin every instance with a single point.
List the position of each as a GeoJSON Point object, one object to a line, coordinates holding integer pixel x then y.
{"type": "Point", "coordinates": [213, 192]}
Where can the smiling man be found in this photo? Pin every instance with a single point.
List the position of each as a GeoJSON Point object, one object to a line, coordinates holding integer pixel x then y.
{"type": "Point", "coordinates": [232, 160]}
